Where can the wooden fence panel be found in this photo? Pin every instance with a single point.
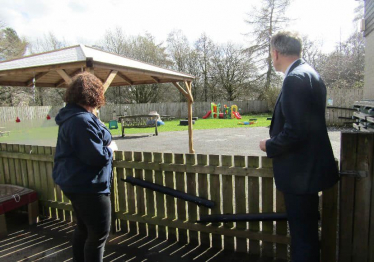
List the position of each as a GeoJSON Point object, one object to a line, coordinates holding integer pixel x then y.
{"type": "Point", "coordinates": [215, 185]}
{"type": "Point", "coordinates": [281, 250]}
{"type": "Point", "coordinates": [361, 224]}
{"type": "Point", "coordinates": [149, 194]}
{"type": "Point", "coordinates": [170, 201]}
{"type": "Point", "coordinates": [202, 160]}
{"type": "Point", "coordinates": [139, 193]}
{"type": "Point", "coordinates": [240, 203]}
{"type": "Point", "coordinates": [267, 206]}
{"type": "Point", "coordinates": [180, 182]}
{"type": "Point", "coordinates": [192, 189]}
{"type": "Point", "coordinates": [121, 189]}
{"type": "Point", "coordinates": [160, 198]}
{"type": "Point", "coordinates": [254, 203]}
{"type": "Point", "coordinates": [227, 201]}
{"type": "Point", "coordinates": [130, 197]}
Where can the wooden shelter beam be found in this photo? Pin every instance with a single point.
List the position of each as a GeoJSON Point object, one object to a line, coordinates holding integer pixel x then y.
{"type": "Point", "coordinates": [30, 82]}
{"type": "Point", "coordinates": [109, 79]}
{"type": "Point", "coordinates": [181, 89]}
{"type": "Point", "coordinates": [61, 82]}
{"type": "Point", "coordinates": [156, 79]}
{"type": "Point", "coordinates": [64, 75]}
{"type": "Point", "coordinates": [128, 80]}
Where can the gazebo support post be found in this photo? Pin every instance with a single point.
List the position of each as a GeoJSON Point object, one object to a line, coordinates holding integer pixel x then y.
{"type": "Point", "coordinates": [188, 95]}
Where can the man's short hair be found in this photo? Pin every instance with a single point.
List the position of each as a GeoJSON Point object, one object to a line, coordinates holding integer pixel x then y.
{"type": "Point", "coordinates": [286, 43]}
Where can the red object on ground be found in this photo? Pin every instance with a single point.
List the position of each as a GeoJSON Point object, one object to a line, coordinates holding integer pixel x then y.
{"type": "Point", "coordinates": [207, 114]}
{"type": "Point", "coordinates": [48, 117]}
{"type": "Point", "coordinates": [237, 115]}
{"type": "Point", "coordinates": [18, 120]}
{"type": "Point", "coordinates": [220, 115]}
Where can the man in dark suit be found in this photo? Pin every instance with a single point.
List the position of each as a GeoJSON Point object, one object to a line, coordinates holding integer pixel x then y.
{"type": "Point", "coordinates": [299, 145]}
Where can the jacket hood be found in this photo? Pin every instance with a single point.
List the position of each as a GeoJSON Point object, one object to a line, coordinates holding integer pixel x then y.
{"type": "Point", "coordinates": [69, 111]}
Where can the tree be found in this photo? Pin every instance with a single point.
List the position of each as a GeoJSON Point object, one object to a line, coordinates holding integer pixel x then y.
{"type": "Point", "coordinates": [232, 70]}
{"type": "Point", "coordinates": [47, 43]}
{"type": "Point", "coordinates": [344, 68]}
{"type": "Point", "coordinates": [204, 49]}
{"type": "Point", "coordinates": [265, 21]}
{"type": "Point", "coordinates": [11, 45]}
{"type": "Point", "coordinates": [143, 48]}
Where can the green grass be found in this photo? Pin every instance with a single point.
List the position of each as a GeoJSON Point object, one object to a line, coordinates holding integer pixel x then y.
{"type": "Point", "coordinates": [45, 132]}
{"type": "Point", "coordinates": [209, 123]}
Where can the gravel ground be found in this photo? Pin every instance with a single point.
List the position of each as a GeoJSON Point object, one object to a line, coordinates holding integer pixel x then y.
{"type": "Point", "coordinates": [226, 141]}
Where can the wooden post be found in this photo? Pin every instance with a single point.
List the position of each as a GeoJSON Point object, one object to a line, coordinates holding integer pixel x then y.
{"type": "Point", "coordinates": [188, 95]}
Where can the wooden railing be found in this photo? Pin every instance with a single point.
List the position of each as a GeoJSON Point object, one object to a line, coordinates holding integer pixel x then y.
{"type": "Point", "coordinates": [237, 184]}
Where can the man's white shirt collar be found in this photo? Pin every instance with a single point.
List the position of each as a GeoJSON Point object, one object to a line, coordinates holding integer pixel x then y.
{"type": "Point", "coordinates": [289, 67]}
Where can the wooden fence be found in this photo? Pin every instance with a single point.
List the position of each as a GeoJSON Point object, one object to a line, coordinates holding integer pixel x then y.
{"type": "Point", "coordinates": [357, 198]}
{"type": "Point", "coordinates": [237, 184]}
{"type": "Point", "coordinates": [341, 104]}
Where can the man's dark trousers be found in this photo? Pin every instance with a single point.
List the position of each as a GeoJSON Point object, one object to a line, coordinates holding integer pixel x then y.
{"type": "Point", "coordinates": [302, 214]}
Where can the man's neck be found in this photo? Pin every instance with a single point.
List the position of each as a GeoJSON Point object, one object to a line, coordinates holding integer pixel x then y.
{"type": "Point", "coordinates": [287, 61]}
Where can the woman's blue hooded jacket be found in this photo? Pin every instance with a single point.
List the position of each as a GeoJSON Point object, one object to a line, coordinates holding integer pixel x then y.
{"type": "Point", "coordinates": [83, 162]}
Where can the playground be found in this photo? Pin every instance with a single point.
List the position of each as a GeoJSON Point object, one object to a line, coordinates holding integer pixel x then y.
{"type": "Point", "coordinates": [211, 136]}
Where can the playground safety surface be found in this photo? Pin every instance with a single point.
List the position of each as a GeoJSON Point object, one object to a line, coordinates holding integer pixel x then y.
{"type": "Point", "coordinates": [225, 141]}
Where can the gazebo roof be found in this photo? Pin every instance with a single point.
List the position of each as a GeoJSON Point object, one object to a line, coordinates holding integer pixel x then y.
{"type": "Point", "coordinates": [55, 69]}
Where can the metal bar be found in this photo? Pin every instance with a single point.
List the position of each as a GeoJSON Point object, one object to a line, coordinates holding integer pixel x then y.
{"type": "Point", "coordinates": [169, 191]}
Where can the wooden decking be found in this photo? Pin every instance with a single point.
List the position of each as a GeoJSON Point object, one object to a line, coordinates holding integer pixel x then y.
{"type": "Point", "coordinates": [50, 240]}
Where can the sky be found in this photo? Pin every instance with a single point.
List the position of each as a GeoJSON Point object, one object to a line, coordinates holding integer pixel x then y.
{"type": "Point", "coordinates": [86, 21]}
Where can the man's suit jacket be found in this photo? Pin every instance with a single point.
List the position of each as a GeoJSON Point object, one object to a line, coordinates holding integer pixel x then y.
{"type": "Point", "coordinates": [303, 159]}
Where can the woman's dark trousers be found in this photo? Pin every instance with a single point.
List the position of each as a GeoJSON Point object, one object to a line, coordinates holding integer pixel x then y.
{"type": "Point", "coordinates": [93, 212]}
{"type": "Point", "coordinates": [302, 215]}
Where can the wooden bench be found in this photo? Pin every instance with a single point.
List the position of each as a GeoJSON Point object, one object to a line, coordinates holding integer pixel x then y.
{"type": "Point", "coordinates": [13, 197]}
{"type": "Point", "coordinates": [137, 121]}
{"type": "Point", "coordinates": [3, 133]}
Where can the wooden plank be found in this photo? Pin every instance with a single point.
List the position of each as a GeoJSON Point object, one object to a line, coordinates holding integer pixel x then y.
{"type": "Point", "coordinates": [15, 155]}
{"type": "Point", "coordinates": [240, 203]}
{"type": "Point", "coordinates": [44, 180]}
{"type": "Point", "coordinates": [30, 169]}
{"type": "Point", "coordinates": [2, 171]}
{"type": "Point", "coordinates": [149, 194]}
{"type": "Point", "coordinates": [121, 188]}
{"type": "Point", "coordinates": [6, 165]}
{"type": "Point", "coordinates": [109, 79]}
{"type": "Point", "coordinates": [51, 187]}
{"type": "Point", "coordinates": [202, 179]}
{"type": "Point", "coordinates": [371, 233]}
{"type": "Point", "coordinates": [206, 229]}
{"type": "Point", "coordinates": [254, 203]}
{"type": "Point", "coordinates": [192, 189]}
{"type": "Point", "coordinates": [361, 224]}
{"type": "Point", "coordinates": [17, 167]}
{"type": "Point", "coordinates": [180, 183]}
{"type": "Point", "coordinates": [347, 187]}
{"type": "Point", "coordinates": [227, 201]}
{"type": "Point", "coordinates": [267, 206]}
{"type": "Point", "coordinates": [223, 170]}
{"type": "Point", "coordinates": [25, 180]}
{"type": "Point", "coordinates": [13, 179]}
{"type": "Point", "coordinates": [170, 201]}
{"type": "Point", "coordinates": [281, 227]}
{"type": "Point", "coordinates": [329, 224]}
{"type": "Point", "coordinates": [160, 198]}
{"type": "Point", "coordinates": [139, 192]}
{"type": "Point", "coordinates": [215, 195]}
{"type": "Point", "coordinates": [130, 190]}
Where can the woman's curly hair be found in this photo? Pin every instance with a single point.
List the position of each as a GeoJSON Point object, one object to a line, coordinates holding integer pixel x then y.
{"type": "Point", "coordinates": [85, 89]}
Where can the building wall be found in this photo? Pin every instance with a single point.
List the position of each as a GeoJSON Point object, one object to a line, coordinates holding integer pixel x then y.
{"type": "Point", "coordinates": [369, 50]}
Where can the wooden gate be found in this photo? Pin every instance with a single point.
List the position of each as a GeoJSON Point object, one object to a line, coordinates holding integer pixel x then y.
{"type": "Point", "coordinates": [356, 230]}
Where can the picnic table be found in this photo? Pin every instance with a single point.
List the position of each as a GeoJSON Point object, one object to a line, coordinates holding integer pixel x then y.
{"type": "Point", "coordinates": [137, 121]}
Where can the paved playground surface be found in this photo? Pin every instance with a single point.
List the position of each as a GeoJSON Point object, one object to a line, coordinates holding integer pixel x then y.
{"type": "Point", "coordinates": [226, 141]}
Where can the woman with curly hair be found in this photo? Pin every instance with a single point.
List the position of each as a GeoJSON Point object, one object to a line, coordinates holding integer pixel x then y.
{"type": "Point", "coordinates": [83, 165]}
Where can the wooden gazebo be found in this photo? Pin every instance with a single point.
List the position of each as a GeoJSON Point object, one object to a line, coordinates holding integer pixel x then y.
{"type": "Point", "coordinates": [56, 69]}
